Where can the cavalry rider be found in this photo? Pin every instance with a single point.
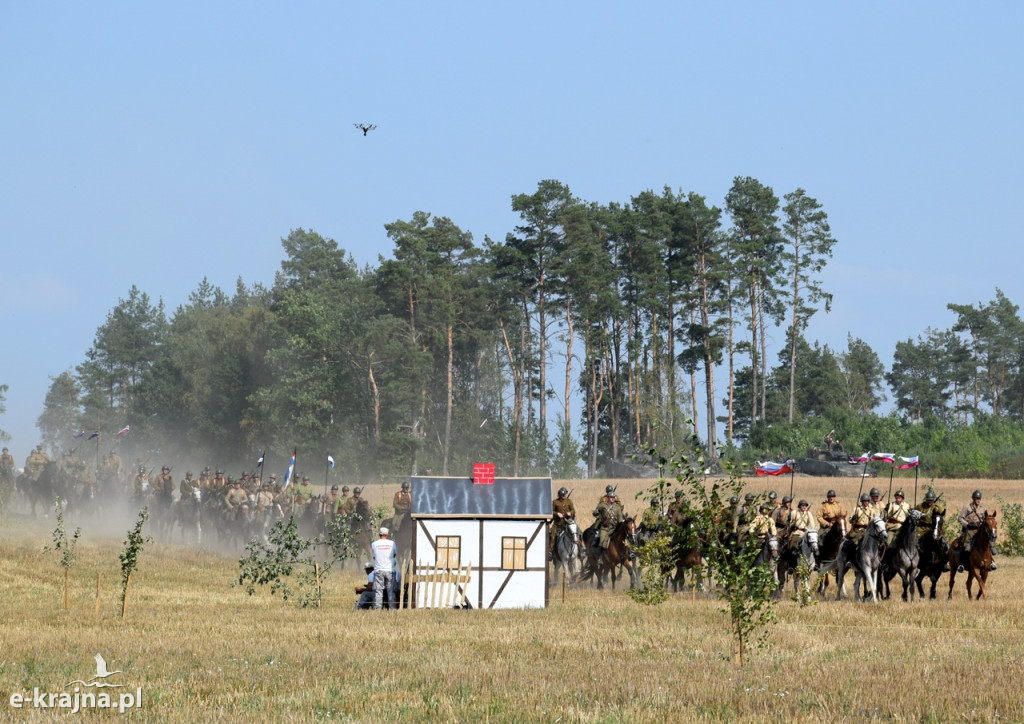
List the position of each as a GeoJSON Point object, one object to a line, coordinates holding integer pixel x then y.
{"type": "Point", "coordinates": [265, 498]}
{"type": "Point", "coordinates": [861, 518]}
{"type": "Point", "coordinates": [236, 497]}
{"type": "Point", "coordinates": [163, 488]}
{"type": "Point", "coordinates": [800, 521]}
{"type": "Point", "coordinates": [780, 516]}
{"type": "Point", "coordinates": [930, 507]}
{"type": "Point", "coordinates": [6, 468]}
{"type": "Point", "coordinates": [332, 502]}
{"type": "Point", "coordinates": [562, 510]}
{"type": "Point", "coordinates": [652, 519]}
{"type": "Point", "coordinates": [971, 517]}
{"type": "Point", "coordinates": [608, 514]}
{"type": "Point", "coordinates": [35, 463]}
{"type": "Point", "coordinates": [744, 515]}
{"type": "Point", "coordinates": [678, 509]}
{"type": "Point", "coordinates": [402, 505]}
{"type": "Point", "coordinates": [762, 525]}
{"type": "Point", "coordinates": [304, 492]}
{"type": "Point", "coordinates": [773, 501]}
{"type": "Point", "coordinates": [895, 515]}
{"type": "Point", "coordinates": [187, 486]}
{"type": "Point", "coordinates": [876, 502]}
{"type": "Point", "coordinates": [609, 493]}
{"type": "Point", "coordinates": [140, 483]}
{"type": "Point", "coordinates": [830, 511]}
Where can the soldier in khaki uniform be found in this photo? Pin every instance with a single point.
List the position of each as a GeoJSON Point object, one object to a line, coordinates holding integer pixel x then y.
{"type": "Point", "coordinates": [265, 498]}
{"type": "Point", "coordinates": [762, 525]}
{"type": "Point", "coordinates": [141, 483]}
{"type": "Point", "coordinates": [876, 502]}
{"type": "Point", "coordinates": [608, 514]}
{"type": "Point", "coordinates": [562, 510]}
{"type": "Point", "coordinates": [930, 507]}
{"type": "Point", "coordinates": [781, 514]}
{"type": "Point", "coordinates": [861, 518]}
{"type": "Point", "coordinates": [304, 492]}
{"type": "Point", "coordinates": [678, 509]}
{"type": "Point", "coordinates": [235, 498]}
{"type": "Point", "coordinates": [163, 487]}
{"type": "Point", "coordinates": [401, 504]}
{"type": "Point", "coordinates": [6, 473]}
{"type": "Point", "coordinates": [187, 486]}
{"type": "Point", "coordinates": [895, 515]}
{"type": "Point", "coordinates": [800, 521]}
{"type": "Point", "coordinates": [830, 510]}
{"type": "Point", "coordinates": [35, 463]}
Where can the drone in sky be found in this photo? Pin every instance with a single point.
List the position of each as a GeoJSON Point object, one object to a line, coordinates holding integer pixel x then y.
{"type": "Point", "coordinates": [365, 127]}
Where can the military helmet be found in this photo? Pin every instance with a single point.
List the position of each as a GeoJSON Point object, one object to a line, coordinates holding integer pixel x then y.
{"type": "Point", "coordinates": [930, 495]}
{"type": "Point", "coordinates": [357, 490]}
{"type": "Point", "coordinates": [655, 502]}
{"type": "Point", "coordinates": [830, 494]}
{"type": "Point", "coordinates": [802, 503]}
{"type": "Point", "coordinates": [748, 498]}
{"type": "Point", "coordinates": [188, 473]}
{"type": "Point", "coordinates": [899, 493]}
{"type": "Point", "coordinates": [875, 492]}
{"type": "Point", "coordinates": [786, 499]}
{"type": "Point", "coordinates": [609, 490]}
{"type": "Point", "coordinates": [344, 488]}
{"type": "Point", "coordinates": [562, 491]}
{"type": "Point", "coordinates": [865, 498]}
{"type": "Point", "coordinates": [733, 500]}
{"type": "Point", "coordinates": [334, 487]}
{"type": "Point", "coordinates": [772, 495]}
{"type": "Point", "coordinates": [165, 468]}
{"type": "Point", "coordinates": [976, 495]}
{"type": "Point", "coordinates": [679, 493]}
{"type": "Point", "coordinates": [405, 486]}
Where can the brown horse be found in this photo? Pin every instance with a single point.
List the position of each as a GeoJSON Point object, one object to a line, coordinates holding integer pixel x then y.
{"type": "Point", "coordinates": [978, 560]}
{"type": "Point", "coordinates": [603, 560]}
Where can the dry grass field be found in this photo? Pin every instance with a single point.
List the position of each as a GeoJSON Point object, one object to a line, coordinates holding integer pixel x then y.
{"type": "Point", "coordinates": [201, 650]}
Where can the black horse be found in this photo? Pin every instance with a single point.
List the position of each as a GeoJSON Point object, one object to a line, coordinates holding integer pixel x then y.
{"type": "Point", "coordinates": [42, 491]}
{"type": "Point", "coordinates": [903, 557]}
{"type": "Point", "coordinates": [934, 556]}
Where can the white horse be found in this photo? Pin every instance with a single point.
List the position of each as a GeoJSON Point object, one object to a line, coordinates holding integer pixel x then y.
{"type": "Point", "coordinates": [867, 561]}
{"type": "Point", "coordinates": [566, 552]}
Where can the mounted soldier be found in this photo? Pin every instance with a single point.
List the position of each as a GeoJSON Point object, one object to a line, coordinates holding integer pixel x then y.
{"type": "Point", "coordinates": [800, 521]}
{"type": "Point", "coordinates": [971, 517]}
{"type": "Point", "coordinates": [895, 515]}
{"type": "Point", "coordinates": [830, 510]}
{"type": "Point", "coordinates": [562, 511]}
{"type": "Point", "coordinates": [930, 507]}
{"type": "Point", "coordinates": [402, 505]}
{"type": "Point", "coordinates": [861, 518]}
{"type": "Point", "coordinates": [608, 514]}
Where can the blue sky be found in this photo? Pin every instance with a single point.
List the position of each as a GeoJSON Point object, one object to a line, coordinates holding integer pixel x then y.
{"type": "Point", "coordinates": [159, 143]}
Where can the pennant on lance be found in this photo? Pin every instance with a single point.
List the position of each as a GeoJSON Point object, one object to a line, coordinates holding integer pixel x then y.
{"type": "Point", "coordinates": [907, 463]}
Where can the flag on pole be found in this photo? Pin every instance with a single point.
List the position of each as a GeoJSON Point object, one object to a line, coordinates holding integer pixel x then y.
{"type": "Point", "coordinates": [886, 457]}
{"type": "Point", "coordinates": [259, 463]}
{"type": "Point", "coordinates": [290, 472]}
{"type": "Point", "coordinates": [79, 435]}
{"type": "Point", "coordinates": [864, 457]}
{"type": "Point", "coordinates": [770, 468]}
{"type": "Point", "coordinates": [908, 463]}
{"type": "Point", "coordinates": [330, 462]}
{"type": "Point", "coordinates": [93, 436]}
{"type": "Point", "coordinates": [124, 431]}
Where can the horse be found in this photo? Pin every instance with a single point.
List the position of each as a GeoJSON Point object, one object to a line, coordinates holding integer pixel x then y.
{"type": "Point", "coordinates": [828, 555]}
{"type": "Point", "coordinates": [806, 554]}
{"type": "Point", "coordinates": [688, 554]}
{"type": "Point", "coordinates": [360, 530]}
{"type": "Point", "coordinates": [934, 556]}
{"type": "Point", "coordinates": [866, 561]}
{"type": "Point", "coordinates": [768, 555]}
{"type": "Point", "coordinates": [601, 561]}
{"type": "Point", "coordinates": [566, 551]}
{"type": "Point", "coordinates": [187, 514]}
{"type": "Point", "coordinates": [41, 491]}
{"type": "Point", "coordinates": [903, 557]}
{"type": "Point", "coordinates": [977, 561]}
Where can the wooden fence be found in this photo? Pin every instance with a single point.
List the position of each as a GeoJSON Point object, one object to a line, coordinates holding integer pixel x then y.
{"type": "Point", "coordinates": [426, 587]}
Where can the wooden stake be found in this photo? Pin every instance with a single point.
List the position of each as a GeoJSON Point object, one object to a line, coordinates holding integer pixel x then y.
{"type": "Point", "coordinates": [97, 609]}
{"type": "Point", "coordinates": [124, 601]}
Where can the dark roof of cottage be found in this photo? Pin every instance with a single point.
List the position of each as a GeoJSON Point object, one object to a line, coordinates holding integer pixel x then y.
{"type": "Point", "coordinates": [507, 497]}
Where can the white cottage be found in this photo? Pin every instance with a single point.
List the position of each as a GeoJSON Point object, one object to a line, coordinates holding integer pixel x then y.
{"type": "Point", "coordinates": [499, 530]}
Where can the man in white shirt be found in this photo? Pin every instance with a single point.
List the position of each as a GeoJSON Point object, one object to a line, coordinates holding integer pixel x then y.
{"type": "Point", "coordinates": [384, 564]}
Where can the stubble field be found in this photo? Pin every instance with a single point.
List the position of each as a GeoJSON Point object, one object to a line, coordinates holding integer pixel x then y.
{"type": "Point", "coordinates": [201, 650]}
